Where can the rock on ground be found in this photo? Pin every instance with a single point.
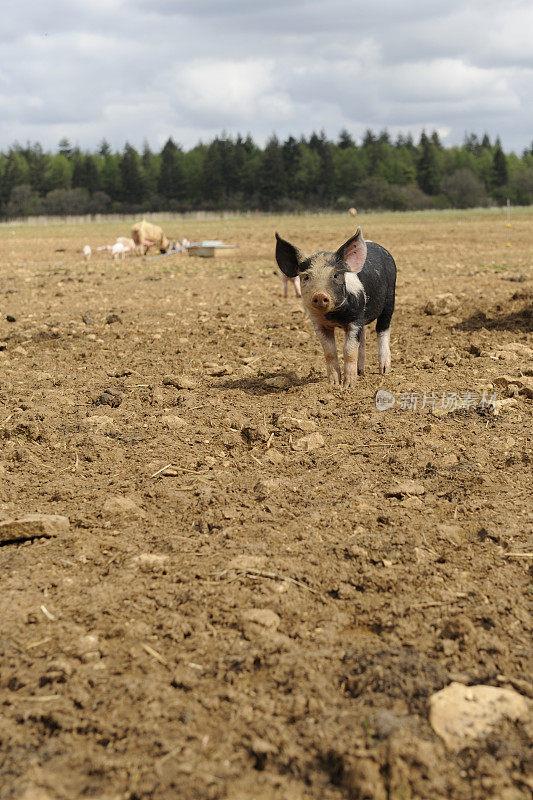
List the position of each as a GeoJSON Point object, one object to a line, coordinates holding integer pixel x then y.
{"type": "Point", "coordinates": [442, 304]}
{"type": "Point", "coordinates": [117, 506]}
{"type": "Point", "coordinates": [461, 714]}
{"type": "Point", "coordinates": [33, 526]}
{"type": "Point", "coordinates": [308, 443]}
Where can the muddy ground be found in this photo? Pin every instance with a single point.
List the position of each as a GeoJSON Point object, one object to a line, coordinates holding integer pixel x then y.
{"type": "Point", "coordinates": [269, 616]}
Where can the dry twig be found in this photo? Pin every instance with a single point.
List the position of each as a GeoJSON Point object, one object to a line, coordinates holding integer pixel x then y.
{"type": "Point", "coordinates": [274, 576]}
{"type": "Point", "coordinates": [154, 654]}
{"type": "Point", "coordinates": [48, 614]}
{"type": "Point", "coordinates": [518, 555]}
{"type": "Point", "coordinates": [159, 471]}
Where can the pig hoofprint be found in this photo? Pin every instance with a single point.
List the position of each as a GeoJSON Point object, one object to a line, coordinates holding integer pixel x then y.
{"type": "Point", "coordinates": [347, 289]}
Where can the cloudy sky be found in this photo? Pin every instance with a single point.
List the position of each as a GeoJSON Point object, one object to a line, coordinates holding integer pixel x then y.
{"type": "Point", "coordinates": [135, 70]}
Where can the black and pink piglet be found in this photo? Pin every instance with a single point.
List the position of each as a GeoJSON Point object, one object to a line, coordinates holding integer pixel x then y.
{"type": "Point", "coordinates": [347, 289]}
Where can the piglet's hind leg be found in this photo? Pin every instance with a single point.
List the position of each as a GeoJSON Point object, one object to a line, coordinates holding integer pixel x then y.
{"type": "Point", "coordinates": [361, 354]}
{"type": "Point", "coordinates": [384, 351]}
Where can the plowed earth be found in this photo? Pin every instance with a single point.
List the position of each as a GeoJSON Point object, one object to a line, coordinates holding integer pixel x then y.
{"type": "Point", "coordinates": [267, 617]}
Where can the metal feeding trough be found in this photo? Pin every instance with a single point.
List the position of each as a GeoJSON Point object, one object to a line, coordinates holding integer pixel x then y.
{"type": "Point", "coordinates": [209, 248]}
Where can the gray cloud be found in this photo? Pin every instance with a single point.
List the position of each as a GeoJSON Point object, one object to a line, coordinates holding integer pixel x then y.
{"type": "Point", "coordinates": [120, 69]}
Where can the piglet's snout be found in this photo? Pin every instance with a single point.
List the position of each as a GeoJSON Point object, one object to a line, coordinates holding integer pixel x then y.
{"type": "Point", "coordinates": [321, 301]}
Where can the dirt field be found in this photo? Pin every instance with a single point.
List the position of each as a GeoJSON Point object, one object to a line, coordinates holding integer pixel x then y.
{"type": "Point", "coordinates": [269, 616]}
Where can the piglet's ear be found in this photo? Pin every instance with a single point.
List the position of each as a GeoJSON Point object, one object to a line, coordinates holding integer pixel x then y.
{"type": "Point", "coordinates": [353, 252]}
{"type": "Point", "coordinates": [288, 257]}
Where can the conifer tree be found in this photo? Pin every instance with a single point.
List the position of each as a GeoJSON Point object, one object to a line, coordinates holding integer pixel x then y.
{"type": "Point", "coordinates": [130, 173]}
{"type": "Point", "coordinates": [500, 174]}
{"type": "Point", "coordinates": [427, 172]}
{"type": "Point", "coordinates": [272, 177]}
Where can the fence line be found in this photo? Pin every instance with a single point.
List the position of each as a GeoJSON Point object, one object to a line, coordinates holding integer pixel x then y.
{"type": "Point", "coordinates": [171, 216]}
{"type": "Point", "coordinates": [156, 216]}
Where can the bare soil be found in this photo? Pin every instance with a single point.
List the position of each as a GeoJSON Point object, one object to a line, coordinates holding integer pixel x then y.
{"type": "Point", "coordinates": [267, 617]}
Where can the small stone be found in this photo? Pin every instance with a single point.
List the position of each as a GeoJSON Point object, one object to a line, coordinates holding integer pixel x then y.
{"type": "Point", "coordinates": [516, 385]}
{"type": "Point", "coordinates": [231, 439]}
{"type": "Point", "coordinates": [87, 648]}
{"type": "Point", "coordinates": [255, 433]}
{"type": "Point", "coordinates": [180, 381]}
{"type": "Point", "coordinates": [413, 502]}
{"type": "Point", "coordinates": [451, 533]}
{"type": "Point", "coordinates": [440, 411]}
{"type": "Point", "coordinates": [98, 421]}
{"type": "Point", "coordinates": [260, 747]}
{"type": "Point", "coordinates": [185, 678]}
{"type": "Point", "coordinates": [296, 424]}
{"type": "Point", "coordinates": [108, 399]}
{"type": "Point", "coordinates": [277, 382]}
{"type": "Point", "coordinates": [111, 318]}
{"type": "Point", "coordinates": [519, 348]}
{"type": "Point", "coordinates": [449, 460]}
{"type": "Point", "coordinates": [506, 404]}
{"type": "Point", "coordinates": [9, 318]}
{"type": "Point", "coordinates": [57, 671]}
{"type": "Point", "coordinates": [461, 714]}
{"type": "Point", "coordinates": [117, 506]}
{"type": "Point", "coordinates": [273, 456]}
{"type": "Point", "coordinates": [442, 304]}
{"type": "Point", "coordinates": [449, 647]}
{"type": "Point", "coordinates": [265, 487]}
{"type": "Point", "coordinates": [308, 443]}
{"type": "Point", "coordinates": [173, 422]}
{"type": "Point", "coordinates": [353, 550]}
{"type": "Point", "coordinates": [262, 616]}
{"type": "Point", "coordinates": [219, 371]}
{"type": "Point", "coordinates": [406, 488]}
{"type": "Point", "coordinates": [151, 562]}
{"type": "Point", "coordinates": [33, 526]}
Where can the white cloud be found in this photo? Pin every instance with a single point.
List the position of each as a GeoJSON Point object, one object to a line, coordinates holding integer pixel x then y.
{"type": "Point", "coordinates": [447, 80]}
{"type": "Point", "coordinates": [229, 87]}
{"type": "Point", "coordinates": [125, 70]}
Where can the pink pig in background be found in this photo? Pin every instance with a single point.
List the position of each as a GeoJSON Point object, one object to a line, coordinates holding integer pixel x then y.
{"type": "Point", "coordinates": [295, 282]}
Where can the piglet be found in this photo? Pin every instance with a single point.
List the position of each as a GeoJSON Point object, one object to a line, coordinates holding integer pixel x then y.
{"type": "Point", "coordinates": [347, 289]}
{"type": "Point", "coordinates": [295, 282]}
{"type": "Point", "coordinates": [87, 252]}
{"type": "Point", "coordinates": [118, 250]}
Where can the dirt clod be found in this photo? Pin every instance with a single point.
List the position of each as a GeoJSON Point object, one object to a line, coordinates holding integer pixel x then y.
{"type": "Point", "coordinates": [442, 304]}
{"type": "Point", "coordinates": [462, 714]}
{"type": "Point", "coordinates": [180, 381]}
{"type": "Point", "coordinates": [33, 526]}
{"type": "Point", "coordinates": [308, 443]}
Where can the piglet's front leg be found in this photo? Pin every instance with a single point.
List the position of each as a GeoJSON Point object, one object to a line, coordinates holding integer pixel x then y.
{"type": "Point", "coordinates": [351, 352]}
{"type": "Point", "coordinates": [327, 340]}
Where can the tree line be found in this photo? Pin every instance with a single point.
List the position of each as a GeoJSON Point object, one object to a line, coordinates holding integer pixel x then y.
{"type": "Point", "coordinates": [234, 173]}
